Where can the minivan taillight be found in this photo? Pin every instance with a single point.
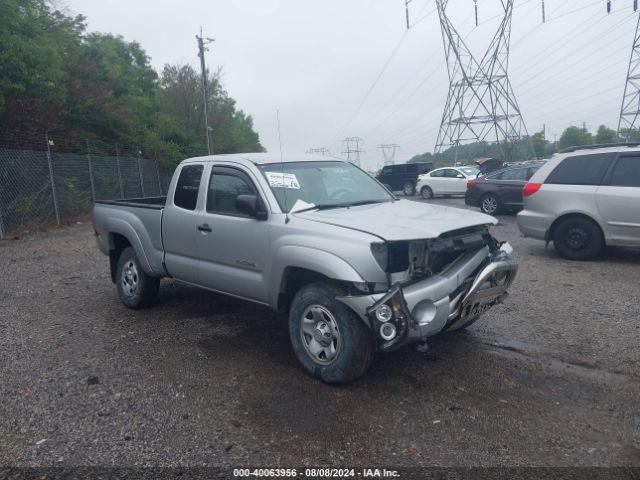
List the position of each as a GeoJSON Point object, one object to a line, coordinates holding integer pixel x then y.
{"type": "Point", "coordinates": [471, 183]}
{"type": "Point", "coordinates": [530, 189]}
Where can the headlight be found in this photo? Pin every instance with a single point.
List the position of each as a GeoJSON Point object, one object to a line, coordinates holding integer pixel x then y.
{"type": "Point", "coordinates": [384, 313]}
{"type": "Point", "coordinates": [380, 253]}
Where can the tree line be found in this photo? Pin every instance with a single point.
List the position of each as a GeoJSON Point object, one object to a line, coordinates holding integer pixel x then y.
{"type": "Point", "coordinates": [534, 147]}
{"type": "Point", "coordinates": [80, 86]}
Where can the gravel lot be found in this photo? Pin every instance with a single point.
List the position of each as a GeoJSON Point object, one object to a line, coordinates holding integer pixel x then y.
{"type": "Point", "coordinates": [552, 377]}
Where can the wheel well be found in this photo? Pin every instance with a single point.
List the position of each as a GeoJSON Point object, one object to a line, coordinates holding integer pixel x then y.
{"type": "Point", "coordinates": [557, 221]}
{"type": "Point", "coordinates": [293, 279]}
{"type": "Point", "coordinates": [119, 243]}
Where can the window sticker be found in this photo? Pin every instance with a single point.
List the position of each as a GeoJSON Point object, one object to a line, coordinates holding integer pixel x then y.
{"type": "Point", "coordinates": [282, 180]}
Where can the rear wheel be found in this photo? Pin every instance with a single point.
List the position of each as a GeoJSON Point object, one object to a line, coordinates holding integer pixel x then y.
{"type": "Point", "coordinates": [135, 288]}
{"type": "Point", "coordinates": [409, 189]}
{"type": "Point", "coordinates": [490, 204]}
{"type": "Point", "coordinates": [426, 193]}
{"type": "Point", "coordinates": [578, 239]}
{"type": "Point", "coordinates": [330, 342]}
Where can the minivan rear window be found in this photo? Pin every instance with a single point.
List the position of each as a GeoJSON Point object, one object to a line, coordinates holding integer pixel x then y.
{"type": "Point", "coordinates": [581, 170]}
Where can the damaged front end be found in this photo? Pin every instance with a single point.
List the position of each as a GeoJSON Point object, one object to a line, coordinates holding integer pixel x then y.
{"type": "Point", "coordinates": [436, 285]}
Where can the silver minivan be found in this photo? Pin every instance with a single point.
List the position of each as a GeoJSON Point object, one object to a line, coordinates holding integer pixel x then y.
{"type": "Point", "coordinates": [585, 198]}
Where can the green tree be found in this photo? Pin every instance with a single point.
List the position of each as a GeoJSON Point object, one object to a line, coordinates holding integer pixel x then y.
{"type": "Point", "coordinates": [57, 78]}
{"type": "Point", "coordinates": [574, 137]}
{"type": "Point", "coordinates": [539, 145]}
{"type": "Point", "coordinates": [606, 135]}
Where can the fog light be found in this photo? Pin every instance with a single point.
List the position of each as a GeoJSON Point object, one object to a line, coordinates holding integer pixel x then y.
{"type": "Point", "coordinates": [388, 331]}
{"type": "Point", "coordinates": [384, 313]}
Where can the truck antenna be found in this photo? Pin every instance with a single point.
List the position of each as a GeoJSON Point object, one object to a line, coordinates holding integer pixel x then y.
{"type": "Point", "coordinates": [284, 187]}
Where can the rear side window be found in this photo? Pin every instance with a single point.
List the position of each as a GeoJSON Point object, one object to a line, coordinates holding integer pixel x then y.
{"type": "Point", "coordinates": [438, 173]}
{"type": "Point", "coordinates": [186, 195]}
{"type": "Point", "coordinates": [519, 174]}
{"type": "Point", "coordinates": [581, 170]}
{"type": "Point", "coordinates": [626, 172]}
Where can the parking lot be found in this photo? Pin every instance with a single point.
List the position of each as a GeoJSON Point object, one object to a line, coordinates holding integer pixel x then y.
{"type": "Point", "coordinates": [551, 377]}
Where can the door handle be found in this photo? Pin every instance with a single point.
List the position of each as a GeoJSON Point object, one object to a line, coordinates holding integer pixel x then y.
{"type": "Point", "coordinates": [204, 228]}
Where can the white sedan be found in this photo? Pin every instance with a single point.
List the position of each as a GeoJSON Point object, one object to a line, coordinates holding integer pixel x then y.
{"type": "Point", "coordinates": [446, 181]}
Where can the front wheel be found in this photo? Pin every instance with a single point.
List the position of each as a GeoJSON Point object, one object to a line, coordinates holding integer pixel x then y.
{"type": "Point", "coordinates": [330, 342]}
{"type": "Point", "coordinates": [409, 189]}
{"type": "Point", "coordinates": [135, 288]}
{"type": "Point", "coordinates": [426, 193]}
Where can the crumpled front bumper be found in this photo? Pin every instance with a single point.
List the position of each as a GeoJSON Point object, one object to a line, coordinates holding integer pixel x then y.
{"type": "Point", "coordinates": [465, 290]}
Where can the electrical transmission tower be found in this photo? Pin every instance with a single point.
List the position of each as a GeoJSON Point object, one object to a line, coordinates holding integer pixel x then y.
{"type": "Point", "coordinates": [389, 153]}
{"type": "Point", "coordinates": [630, 110]}
{"type": "Point", "coordinates": [352, 149]}
{"type": "Point", "coordinates": [480, 106]}
{"type": "Point", "coordinates": [318, 151]}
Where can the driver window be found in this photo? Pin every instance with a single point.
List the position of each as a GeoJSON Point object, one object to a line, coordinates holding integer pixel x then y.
{"type": "Point", "coordinates": [222, 193]}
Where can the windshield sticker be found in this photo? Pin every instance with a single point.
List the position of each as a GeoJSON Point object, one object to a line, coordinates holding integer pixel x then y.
{"type": "Point", "coordinates": [282, 180]}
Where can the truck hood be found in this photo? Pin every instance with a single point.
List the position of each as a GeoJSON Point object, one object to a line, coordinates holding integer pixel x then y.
{"type": "Point", "coordinates": [400, 220]}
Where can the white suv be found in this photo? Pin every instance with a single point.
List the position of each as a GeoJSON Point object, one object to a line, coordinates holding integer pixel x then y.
{"type": "Point", "coordinates": [585, 198]}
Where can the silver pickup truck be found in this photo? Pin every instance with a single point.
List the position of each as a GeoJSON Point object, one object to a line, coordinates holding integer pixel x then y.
{"type": "Point", "coordinates": [355, 269]}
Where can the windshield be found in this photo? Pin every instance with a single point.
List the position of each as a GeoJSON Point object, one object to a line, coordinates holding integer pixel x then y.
{"type": "Point", "coordinates": [321, 185]}
{"type": "Point", "coordinates": [469, 171]}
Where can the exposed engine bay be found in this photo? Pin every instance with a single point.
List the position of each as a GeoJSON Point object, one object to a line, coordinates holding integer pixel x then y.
{"type": "Point", "coordinates": [418, 259]}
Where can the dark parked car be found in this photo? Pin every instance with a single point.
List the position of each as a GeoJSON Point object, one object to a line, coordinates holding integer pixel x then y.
{"type": "Point", "coordinates": [499, 190]}
{"type": "Point", "coordinates": [403, 177]}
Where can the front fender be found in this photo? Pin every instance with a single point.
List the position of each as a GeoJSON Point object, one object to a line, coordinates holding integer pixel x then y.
{"type": "Point", "coordinates": [314, 259]}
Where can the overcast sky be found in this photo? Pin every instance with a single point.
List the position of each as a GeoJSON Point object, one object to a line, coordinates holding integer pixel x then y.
{"type": "Point", "coordinates": [316, 60]}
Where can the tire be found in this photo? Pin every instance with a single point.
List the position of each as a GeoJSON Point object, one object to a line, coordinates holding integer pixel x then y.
{"type": "Point", "coordinates": [490, 204]}
{"type": "Point", "coordinates": [135, 288]}
{"type": "Point", "coordinates": [409, 189]}
{"type": "Point", "coordinates": [426, 193]}
{"type": "Point", "coordinates": [349, 349]}
{"type": "Point", "coordinates": [578, 239]}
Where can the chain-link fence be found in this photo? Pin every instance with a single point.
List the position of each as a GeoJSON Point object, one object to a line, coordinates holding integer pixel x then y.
{"type": "Point", "coordinates": [38, 188]}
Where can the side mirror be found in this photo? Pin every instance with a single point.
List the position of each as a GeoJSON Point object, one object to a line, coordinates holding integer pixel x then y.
{"type": "Point", "coordinates": [460, 176]}
{"type": "Point", "coordinates": [251, 206]}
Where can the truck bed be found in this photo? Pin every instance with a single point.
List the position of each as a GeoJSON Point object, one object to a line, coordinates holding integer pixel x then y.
{"type": "Point", "coordinates": [136, 219]}
{"type": "Point", "coordinates": [156, 203]}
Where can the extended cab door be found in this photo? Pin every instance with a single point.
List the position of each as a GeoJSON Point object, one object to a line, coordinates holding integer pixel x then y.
{"type": "Point", "coordinates": [618, 200]}
{"type": "Point", "coordinates": [179, 224]}
{"type": "Point", "coordinates": [234, 248]}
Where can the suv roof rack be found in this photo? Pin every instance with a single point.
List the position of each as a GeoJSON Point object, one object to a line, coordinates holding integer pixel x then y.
{"type": "Point", "coordinates": [601, 145]}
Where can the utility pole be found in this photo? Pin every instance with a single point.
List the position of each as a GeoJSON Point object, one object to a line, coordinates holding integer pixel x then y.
{"type": "Point", "coordinates": [389, 152]}
{"type": "Point", "coordinates": [352, 149]}
{"type": "Point", "coordinates": [481, 105]}
{"type": "Point", "coordinates": [202, 41]}
{"type": "Point", "coordinates": [318, 151]}
{"type": "Point", "coordinates": [630, 109]}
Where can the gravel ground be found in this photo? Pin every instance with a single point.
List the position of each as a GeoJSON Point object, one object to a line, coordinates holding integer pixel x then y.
{"type": "Point", "coordinates": [552, 377]}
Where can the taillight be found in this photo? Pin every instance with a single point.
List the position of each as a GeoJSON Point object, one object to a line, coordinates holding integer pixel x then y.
{"type": "Point", "coordinates": [530, 189]}
{"type": "Point", "coordinates": [471, 183]}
